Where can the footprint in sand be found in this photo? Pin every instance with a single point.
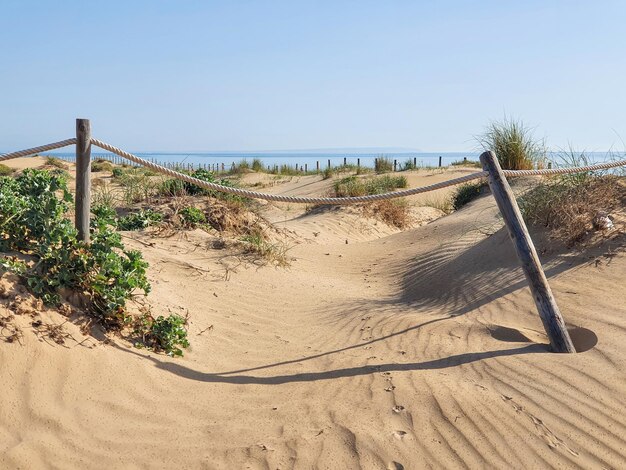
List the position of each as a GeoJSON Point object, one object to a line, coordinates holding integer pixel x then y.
{"type": "Point", "coordinates": [395, 466]}
{"type": "Point", "coordinates": [399, 435]}
{"type": "Point", "coordinates": [398, 409]}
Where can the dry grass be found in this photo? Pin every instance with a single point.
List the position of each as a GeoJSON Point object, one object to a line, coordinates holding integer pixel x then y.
{"type": "Point", "coordinates": [567, 206]}
{"type": "Point", "coordinates": [394, 212]}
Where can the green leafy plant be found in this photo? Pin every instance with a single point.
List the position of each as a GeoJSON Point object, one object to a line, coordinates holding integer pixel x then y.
{"type": "Point", "coordinates": [33, 223]}
{"type": "Point", "coordinates": [192, 216]}
{"type": "Point", "coordinates": [138, 220]}
{"type": "Point", "coordinates": [162, 334]}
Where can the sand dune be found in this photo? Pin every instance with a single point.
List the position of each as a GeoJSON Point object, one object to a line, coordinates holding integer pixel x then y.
{"type": "Point", "coordinates": [414, 349]}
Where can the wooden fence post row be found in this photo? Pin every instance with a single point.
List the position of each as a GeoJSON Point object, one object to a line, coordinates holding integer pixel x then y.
{"type": "Point", "coordinates": [540, 289]}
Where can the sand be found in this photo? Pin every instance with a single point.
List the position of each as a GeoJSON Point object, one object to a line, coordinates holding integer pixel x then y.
{"type": "Point", "coordinates": [398, 349]}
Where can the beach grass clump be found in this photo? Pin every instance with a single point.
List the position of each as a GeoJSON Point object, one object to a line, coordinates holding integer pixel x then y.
{"type": "Point", "coordinates": [568, 205]}
{"type": "Point", "coordinates": [33, 222]}
{"type": "Point", "coordinates": [57, 163]}
{"type": "Point", "coordinates": [514, 144]}
{"type": "Point", "coordinates": [257, 165]}
{"type": "Point", "coordinates": [6, 170]}
{"type": "Point", "coordinates": [466, 162]}
{"type": "Point", "coordinates": [394, 212]}
{"type": "Point", "coordinates": [101, 165]}
{"type": "Point", "coordinates": [466, 193]}
{"type": "Point", "coordinates": [274, 253]}
{"type": "Point", "coordinates": [353, 186]}
{"type": "Point", "coordinates": [383, 164]}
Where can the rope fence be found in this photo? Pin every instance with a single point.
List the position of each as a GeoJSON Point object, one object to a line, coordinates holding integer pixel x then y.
{"type": "Point", "coordinates": [302, 199]}
{"type": "Point", "coordinates": [547, 308]}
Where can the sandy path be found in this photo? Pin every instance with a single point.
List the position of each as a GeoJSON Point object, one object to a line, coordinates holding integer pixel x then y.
{"type": "Point", "coordinates": [420, 349]}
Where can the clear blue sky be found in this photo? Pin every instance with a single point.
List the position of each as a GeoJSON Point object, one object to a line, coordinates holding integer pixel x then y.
{"type": "Point", "coordinates": [252, 75]}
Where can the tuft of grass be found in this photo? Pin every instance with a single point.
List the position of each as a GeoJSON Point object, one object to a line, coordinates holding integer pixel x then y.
{"type": "Point", "coordinates": [57, 163]}
{"type": "Point", "coordinates": [383, 164]}
{"type": "Point", "coordinates": [101, 165]}
{"type": "Point", "coordinates": [394, 212]}
{"type": "Point", "coordinates": [513, 143]}
{"type": "Point", "coordinates": [274, 253]}
{"type": "Point", "coordinates": [257, 165]}
{"type": "Point", "coordinates": [6, 170]}
{"type": "Point", "coordinates": [327, 173]}
{"type": "Point", "coordinates": [466, 193]}
{"type": "Point", "coordinates": [471, 163]}
{"type": "Point", "coordinates": [352, 186]}
{"type": "Point", "coordinates": [567, 205]}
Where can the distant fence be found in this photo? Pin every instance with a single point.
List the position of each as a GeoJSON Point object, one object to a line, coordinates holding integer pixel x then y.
{"type": "Point", "coordinates": [553, 322]}
{"type": "Point", "coordinates": [313, 167]}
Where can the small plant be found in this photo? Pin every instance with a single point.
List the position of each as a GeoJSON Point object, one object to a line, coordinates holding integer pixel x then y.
{"type": "Point", "coordinates": [162, 334]}
{"type": "Point", "coordinates": [275, 253]}
{"type": "Point", "coordinates": [57, 163]}
{"type": "Point", "coordinates": [118, 172]}
{"type": "Point", "coordinates": [327, 173]}
{"type": "Point", "coordinates": [514, 144]}
{"type": "Point", "coordinates": [466, 193]}
{"type": "Point", "coordinates": [257, 164]}
{"type": "Point", "coordinates": [353, 186]}
{"type": "Point", "coordinates": [383, 164]}
{"type": "Point", "coordinates": [394, 212]}
{"type": "Point", "coordinates": [6, 170]}
{"type": "Point", "coordinates": [409, 165]}
{"type": "Point", "coordinates": [101, 165]}
{"type": "Point", "coordinates": [192, 216]}
{"type": "Point", "coordinates": [139, 220]}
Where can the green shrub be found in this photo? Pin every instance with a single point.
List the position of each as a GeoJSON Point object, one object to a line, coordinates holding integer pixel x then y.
{"type": "Point", "coordinates": [466, 193]}
{"type": "Point", "coordinates": [383, 164]}
{"type": "Point", "coordinates": [162, 334]}
{"type": "Point", "coordinates": [33, 222]}
{"type": "Point", "coordinates": [117, 172]}
{"type": "Point", "coordinates": [6, 170]}
{"type": "Point", "coordinates": [513, 144]}
{"type": "Point", "coordinates": [192, 216]}
{"type": "Point", "coordinates": [139, 220]}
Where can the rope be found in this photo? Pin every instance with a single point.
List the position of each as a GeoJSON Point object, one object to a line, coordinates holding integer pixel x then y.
{"type": "Point", "coordinates": [35, 150]}
{"type": "Point", "coordinates": [564, 171]}
{"type": "Point", "coordinates": [282, 198]}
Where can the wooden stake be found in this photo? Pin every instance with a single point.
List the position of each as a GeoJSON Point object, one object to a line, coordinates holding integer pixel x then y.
{"type": "Point", "coordinates": [83, 178]}
{"type": "Point", "coordinates": [542, 294]}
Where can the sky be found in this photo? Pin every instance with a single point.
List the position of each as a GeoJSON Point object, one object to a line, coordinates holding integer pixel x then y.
{"type": "Point", "coordinates": [271, 75]}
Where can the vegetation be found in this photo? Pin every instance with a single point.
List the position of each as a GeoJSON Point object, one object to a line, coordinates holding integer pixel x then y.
{"type": "Point", "coordinates": [383, 164]}
{"type": "Point", "coordinates": [139, 220]}
{"type": "Point", "coordinates": [472, 163]}
{"type": "Point", "coordinates": [101, 165]}
{"type": "Point", "coordinates": [567, 205]}
{"type": "Point", "coordinates": [466, 193]}
{"type": "Point", "coordinates": [56, 162]}
{"type": "Point", "coordinates": [162, 334]}
{"type": "Point", "coordinates": [514, 144]}
{"type": "Point", "coordinates": [192, 217]}
{"type": "Point", "coordinates": [6, 170]}
{"type": "Point", "coordinates": [32, 222]}
{"type": "Point", "coordinates": [352, 186]}
{"type": "Point", "coordinates": [257, 164]}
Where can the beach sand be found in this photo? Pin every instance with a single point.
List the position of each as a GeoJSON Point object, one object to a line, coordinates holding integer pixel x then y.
{"type": "Point", "coordinates": [376, 348]}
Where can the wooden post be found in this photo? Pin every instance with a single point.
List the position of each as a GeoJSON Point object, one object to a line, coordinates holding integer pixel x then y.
{"type": "Point", "coordinates": [542, 294]}
{"type": "Point", "coordinates": [414, 162]}
{"type": "Point", "coordinates": [439, 161]}
{"type": "Point", "coordinates": [83, 178]}
{"type": "Point", "coordinates": [328, 163]}
{"type": "Point", "coordinates": [358, 163]}
{"type": "Point", "coordinates": [306, 167]}
{"type": "Point", "coordinates": [318, 166]}
{"type": "Point", "coordinates": [395, 165]}
{"type": "Point", "coordinates": [345, 162]}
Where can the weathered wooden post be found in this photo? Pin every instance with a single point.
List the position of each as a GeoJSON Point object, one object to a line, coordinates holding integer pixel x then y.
{"type": "Point", "coordinates": [83, 178]}
{"type": "Point", "coordinates": [542, 294]}
{"type": "Point", "coordinates": [317, 169]}
{"type": "Point", "coordinates": [439, 161]}
{"type": "Point", "coordinates": [395, 165]}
